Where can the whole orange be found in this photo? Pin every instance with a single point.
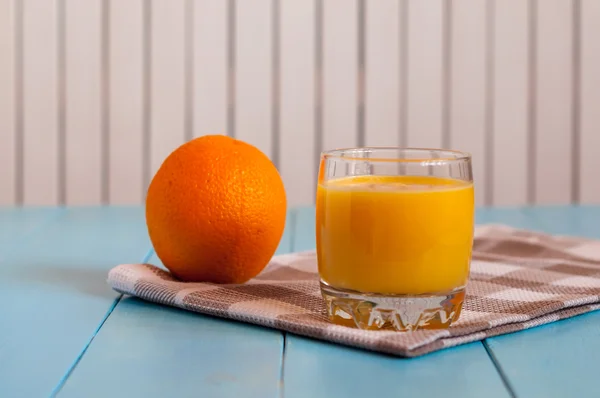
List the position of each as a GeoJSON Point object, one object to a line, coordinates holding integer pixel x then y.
{"type": "Point", "coordinates": [215, 210]}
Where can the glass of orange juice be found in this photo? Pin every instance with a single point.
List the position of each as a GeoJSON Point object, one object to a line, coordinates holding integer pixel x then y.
{"type": "Point", "coordinates": [394, 236]}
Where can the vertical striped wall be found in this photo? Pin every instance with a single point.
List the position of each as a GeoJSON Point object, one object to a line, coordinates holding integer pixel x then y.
{"type": "Point", "coordinates": [95, 93]}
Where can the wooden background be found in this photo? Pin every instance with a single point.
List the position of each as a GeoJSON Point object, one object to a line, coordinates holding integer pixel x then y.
{"type": "Point", "coordinates": [95, 93]}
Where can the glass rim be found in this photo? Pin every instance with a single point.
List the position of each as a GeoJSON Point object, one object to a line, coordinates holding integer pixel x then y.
{"type": "Point", "coordinates": [445, 155]}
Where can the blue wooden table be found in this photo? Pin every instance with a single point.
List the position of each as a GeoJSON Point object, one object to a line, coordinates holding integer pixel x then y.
{"type": "Point", "coordinates": [64, 333]}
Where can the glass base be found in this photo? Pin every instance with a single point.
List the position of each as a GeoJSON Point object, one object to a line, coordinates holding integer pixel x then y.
{"type": "Point", "coordinates": [402, 313]}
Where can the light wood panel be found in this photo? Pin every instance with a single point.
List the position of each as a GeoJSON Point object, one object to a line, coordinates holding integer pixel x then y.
{"type": "Point", "coordinates": [83, 101]}
{"type": "Point", "coordinates": [590, 102]}
{"type": "Point", "coordinates": [385, 34]}
{"type": "Point", "coordinates": [340, 72]}
{"type": "Point", "coordinates": [469, 89]}
{"type": "Point", "coordinates": [40, 103]}
{"type": "Point", "coordinates": [554, 96]}
{"type": "Point", "coordinates": [104, 90]}
{"type": "Point", "coordinates": [253, 74]}
{"type": "Point", "coordinates": [210, 67]}
{"type": "Point", "coordinates": [167, 90]}
{"type": "Point", "coordinates": [297, 163]}
{"type": "Point", "coordinates": [126, 101]}
{"type": "Point", "coordinates": [425, 73]}
{"type": "Point", "coordinates": [510, 103]}
{"type": "Point", "coordinates": [8, 148]}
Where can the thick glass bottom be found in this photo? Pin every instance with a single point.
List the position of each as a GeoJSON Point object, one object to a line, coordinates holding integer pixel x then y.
{"type": "Point", "coordinates": [402, 313]}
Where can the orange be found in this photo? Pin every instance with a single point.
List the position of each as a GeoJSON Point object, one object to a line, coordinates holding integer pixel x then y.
{"type": "Point", "coordinates": [215, 210]}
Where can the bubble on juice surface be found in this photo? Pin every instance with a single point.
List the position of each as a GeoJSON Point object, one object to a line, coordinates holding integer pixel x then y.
{"type": "Point", "coordinates": [387, 184]}
{"type": "Point", "coordinates": [396, 186]}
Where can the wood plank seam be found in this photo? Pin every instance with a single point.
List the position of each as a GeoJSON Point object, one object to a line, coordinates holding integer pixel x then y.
{"type": "Point", "coordinates": [292, 227]}
{"type": "Point", "coordinates": [282, 372]}
{"type": "Point", "coordinates": [18, 46]}
{"type": "Point", "coordinates": [486, 343]}
{"type": "Point", "coordinates": [362, 72]}
{"type": "Point", "coordinates": [61, 93]}
{"type": "Point", "coordinates": [523, 354]}
{"type": "Point", "coordinates": [490, 43]}
{"type": "Point", "coordinates": [576, 105]}
{"type": "Point", "coordinates": [532, 107]}
{"type": "Point", "coordinates": [231, 60]}
{"type": "Point", "coordinates": [499, 369]}
{"type": "Point", "coordinates": [146, 94]}
{"type": "Point", "coordinates": [276, 83]}
{"type": "Point", "coordinates": [87, 344]}
{"type": "Point", "coordinates": [447, 55]}
{"type": "Point", "coordinates": [105, 77]}
{"type": "Point", "coordinates": [403, 71]}
{"type": "Point", "coordinates": [318, 94]}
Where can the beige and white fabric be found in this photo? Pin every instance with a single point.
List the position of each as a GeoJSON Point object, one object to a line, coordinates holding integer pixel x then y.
{"type": "Point", "coordinates": [519, 279]}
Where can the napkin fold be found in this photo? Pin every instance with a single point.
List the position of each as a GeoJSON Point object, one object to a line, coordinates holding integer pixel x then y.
{"type": "Point", "coordinates": [519, 279]}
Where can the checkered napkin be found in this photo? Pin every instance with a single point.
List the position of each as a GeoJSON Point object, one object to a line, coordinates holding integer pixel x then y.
{"type": "Point", "coordinates": [519, 279]}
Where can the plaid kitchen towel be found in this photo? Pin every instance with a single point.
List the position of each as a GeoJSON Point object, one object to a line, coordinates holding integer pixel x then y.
{"type": "Point", "coordinates": [519, 279]}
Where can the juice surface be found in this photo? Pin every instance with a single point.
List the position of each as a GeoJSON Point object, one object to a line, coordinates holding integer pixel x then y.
{"type": "Point", "coordinates": [395, 234]}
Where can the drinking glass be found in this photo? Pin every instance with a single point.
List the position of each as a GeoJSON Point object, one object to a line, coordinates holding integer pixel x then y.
{"type": "Point", "coordinates": [394, 236]}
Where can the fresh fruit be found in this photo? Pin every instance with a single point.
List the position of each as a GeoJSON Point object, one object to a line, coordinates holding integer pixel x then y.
{"type": "Point", "coordinates": [215, 210]}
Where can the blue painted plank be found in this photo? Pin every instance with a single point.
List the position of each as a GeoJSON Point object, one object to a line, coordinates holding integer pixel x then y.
{"type": "Point", "coordinates": [554, 360]}
{"type": "Point", "coordinates": [305, 234]}
{"type": "Point", "coordinates": [569, 220]}
{"type": "Point", "coordinates": [317, 369]}
{"type": "Point", "coordinates": [18, 223]}
{"type": "Point", "coordinates": [515, 217]}
{"type": "Point", "coordinates": [148, 350]}
{"type": "Point", "coordinates": [321, 370]}
{"type": "Point", "coordinates": [558, 359]}
{"type": "Point", "coordinates": [285, 245]}
{"type": "Point", "coordinates": [54, 294]}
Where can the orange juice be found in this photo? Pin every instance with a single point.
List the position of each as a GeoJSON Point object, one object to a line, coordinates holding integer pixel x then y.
{"type": "Point", "coordinates": [395, 234]}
